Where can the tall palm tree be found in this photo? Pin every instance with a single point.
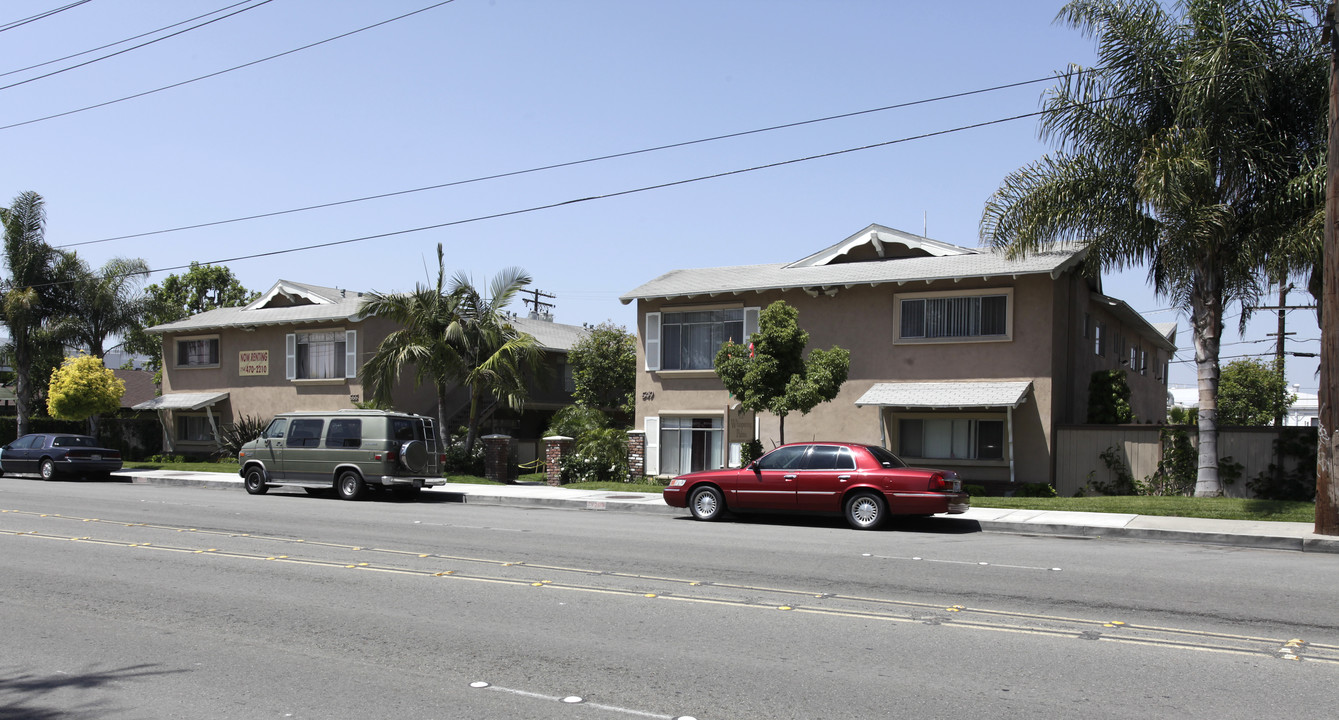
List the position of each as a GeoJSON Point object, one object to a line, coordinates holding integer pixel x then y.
{"type": "Point", "coordinates": [28, 297]}
{"type": "Point", "coordinates": [1182, 153]}
{"type": "Point", "coordinates": [424, 318]}
{"type": "Point", "coordinates": [495, 356]}
{"type": "Point", "coordinates": [105, 302]}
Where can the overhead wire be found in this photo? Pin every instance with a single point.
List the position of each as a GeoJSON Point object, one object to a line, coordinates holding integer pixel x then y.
{"type": "Point", "coordinates": [41, 16]}
{"type": "Point", "coordinates": [133, 47]}
{"type": "Point", "coordinates": [123, 41]}
{"type": "Point", "coordinates": [227, 70]}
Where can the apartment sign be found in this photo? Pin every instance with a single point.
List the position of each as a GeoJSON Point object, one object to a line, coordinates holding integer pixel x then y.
{"type": "Point", "coordinates": [253, 362]}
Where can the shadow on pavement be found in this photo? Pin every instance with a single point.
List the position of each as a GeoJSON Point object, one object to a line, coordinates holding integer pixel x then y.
{"type": "Point", "coordinates": [935, 525]}
{"type": "Point", "coordinates": [27, 696]}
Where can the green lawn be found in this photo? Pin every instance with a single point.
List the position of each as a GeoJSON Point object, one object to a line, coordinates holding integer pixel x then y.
{"type": "Point", "coordinates": [1216, 508]}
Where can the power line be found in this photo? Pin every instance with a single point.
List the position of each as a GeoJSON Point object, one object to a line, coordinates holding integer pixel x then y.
{"type": "Point", "coordinates": [133, 47]}
{"type": "Point", "coordinates": [119, 42]}
{"type": "Point", "coordinates": [41, 16]}
{"type": "Point", "coordinates": [228, 70]}
{"type": "Point", "coordinates": [572, 163]}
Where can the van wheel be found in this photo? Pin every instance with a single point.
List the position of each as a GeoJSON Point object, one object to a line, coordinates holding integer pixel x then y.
{"type": "Point", "coordinates": [255, 482]}
{"type": "Point", "coordinates": [350, 486]}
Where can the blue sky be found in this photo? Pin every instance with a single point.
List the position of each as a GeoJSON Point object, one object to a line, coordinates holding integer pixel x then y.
{"type": "Point", "coordinates": [476, 88]}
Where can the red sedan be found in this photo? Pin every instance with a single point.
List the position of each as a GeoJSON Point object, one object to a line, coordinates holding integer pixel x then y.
{"type": "Point", "coordinates": [866, 483]}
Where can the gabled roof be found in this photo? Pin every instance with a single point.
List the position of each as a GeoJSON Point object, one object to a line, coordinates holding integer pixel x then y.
{"type": "Point", "coordinates": [856, 261]}
{"type": "Point", "coordinates": [286, 303]}
{"type": "Point", "coordinates": [293, 303]}
{"type": "Point", "coordinates": [1127, 315]}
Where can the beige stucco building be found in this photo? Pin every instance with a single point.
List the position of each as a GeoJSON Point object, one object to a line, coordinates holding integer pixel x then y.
{"type": "Point", "coordinates": [960, 357]}
{"type": "Point", "coordinates": [300, 347]}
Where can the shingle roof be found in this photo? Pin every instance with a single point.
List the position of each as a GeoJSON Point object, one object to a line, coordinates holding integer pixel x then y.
{"type": "Point", "coordinates": [550, 335]}
{"type": "Point", "coordinates": [783, 276]}
{"type": "Point", "coordinates": [946, 394]}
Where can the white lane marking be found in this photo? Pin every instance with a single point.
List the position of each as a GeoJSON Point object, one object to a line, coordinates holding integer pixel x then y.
{"type": "Point", "coordinates": [575, 699]}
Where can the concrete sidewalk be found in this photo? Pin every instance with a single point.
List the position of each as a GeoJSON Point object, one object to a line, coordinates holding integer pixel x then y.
{"type": "Point", "coordinates": [1242, 533]}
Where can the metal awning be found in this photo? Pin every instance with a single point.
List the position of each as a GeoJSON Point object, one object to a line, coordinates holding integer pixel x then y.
{"type": "Point", "coordinates": [946, 395]}
{"type": "Point", "coordinates": [181, 401]}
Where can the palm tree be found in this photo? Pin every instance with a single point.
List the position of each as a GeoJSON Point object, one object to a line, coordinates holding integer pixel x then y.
{"type": "Point", "coordinates": [28, 297]}
{"type": "Point", "coordinates": [106, 302]}
{"type": "Point", "coordinates": [1181, 152]}
{"type": "Point", "coordinates": [424, 317]}
{"type": "Point", "coordinates": [495, 356]}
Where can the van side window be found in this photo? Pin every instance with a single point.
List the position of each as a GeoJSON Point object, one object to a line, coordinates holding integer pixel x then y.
{"type": "Point", "coordinates": [344, 434]}
{"type": "Point", "coordinates": [403, 430]}
{"type": "Point", "coordinates": [276, 428]}
{"type": "Point", "coordinates": [305, 433]}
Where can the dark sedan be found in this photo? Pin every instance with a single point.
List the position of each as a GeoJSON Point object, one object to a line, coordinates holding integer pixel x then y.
{"type": "Point", "coordinates": [866, 483]}
{"type": "Point", "coordinates": [53, 455]}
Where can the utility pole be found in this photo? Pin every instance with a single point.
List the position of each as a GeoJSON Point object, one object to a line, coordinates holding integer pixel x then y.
{"type": "Point", "coordinates": [1327, 491]}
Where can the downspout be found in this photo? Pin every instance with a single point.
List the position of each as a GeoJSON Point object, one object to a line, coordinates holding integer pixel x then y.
{"type": "Point", "coordinates": [1010, 423]}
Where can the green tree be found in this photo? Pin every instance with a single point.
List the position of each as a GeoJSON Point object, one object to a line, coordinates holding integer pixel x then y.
{"type": "Point", "coordinates": [30, 299]}
{"type": "Point", "coordinates": [451, 334]}
{"type": "Point", "coordinates": [1109, 398]}
{"type": "Point", "coordinates": [201, 288]}
{"type": "Point", "coordinates": [105, 302]}
{"type": "Point", "coordinates": [771, 374]}
{"type": "Point", "coordinates": [495, 356]}
{"type": "Point", "coordinates": [82, 388]}
{"type": "Point", "coordinates": [1253, 392]}
{"type": "Point", "coordinates": [1183, 152]}
{"type": "Point", "coordinates": [604, 368]}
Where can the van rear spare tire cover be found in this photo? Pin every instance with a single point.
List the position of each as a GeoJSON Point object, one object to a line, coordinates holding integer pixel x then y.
{"type": "Point", "coordinates": [414, 455]}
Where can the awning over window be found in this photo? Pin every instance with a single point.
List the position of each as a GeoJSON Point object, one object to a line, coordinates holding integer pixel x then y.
{"type": "Point", "coordinates": [946, 395]}
{"type": "Point", "coordinates": [181, 401]}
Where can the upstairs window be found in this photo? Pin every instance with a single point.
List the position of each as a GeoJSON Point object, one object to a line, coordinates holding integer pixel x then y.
{"type": "Point", "coordinates": [322, 355]}
{"type": "Point", "coordinates": [689, 339]}
{"type": "Point", "coordinates": [198, 352]}
{"type": "Point", "coordinates": [954, 317]}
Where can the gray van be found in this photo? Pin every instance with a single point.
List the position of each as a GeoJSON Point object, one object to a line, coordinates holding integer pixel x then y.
{"type": "Point", "coordinates": [348, 450]}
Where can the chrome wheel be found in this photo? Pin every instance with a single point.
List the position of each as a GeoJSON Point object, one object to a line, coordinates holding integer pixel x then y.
{"type": "Point", "coordinates": [865, 511]}
{"type": "Point", "coordinates": [350, 486]}
{"type": "Point", "coordinates": [706, 503]}
{"type": "Point", "coordinates": [48, 469]}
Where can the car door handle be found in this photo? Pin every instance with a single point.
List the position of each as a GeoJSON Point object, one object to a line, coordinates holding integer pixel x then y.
{"type": "Point", "coordinates": [843, 478]}
{"type": "Point", "coordinates": [790, 477]}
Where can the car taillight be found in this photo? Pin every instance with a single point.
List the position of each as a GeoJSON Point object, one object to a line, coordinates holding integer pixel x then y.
{"type": "Point", "coordinates": [937, 482]}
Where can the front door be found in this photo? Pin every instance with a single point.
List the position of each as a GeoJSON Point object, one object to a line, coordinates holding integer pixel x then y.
{"type": "Point", "coordinates": [271, 452]}
{"type": "Point", "coordinates": [769, 484]}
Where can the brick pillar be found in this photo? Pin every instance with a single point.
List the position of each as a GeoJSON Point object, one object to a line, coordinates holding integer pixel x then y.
{"type": "Point", "coordinates": [636, 455]}
{"type": "Point", "coordinates": [497, 459]}
{"type": "Point", "coordinates": [555, 449]}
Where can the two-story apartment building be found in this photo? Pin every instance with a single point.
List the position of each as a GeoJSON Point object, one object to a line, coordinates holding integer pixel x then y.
{"type": "Point", "coordinates": [960, 357]}
{"type": "Point", "coordinates": [300, 347]}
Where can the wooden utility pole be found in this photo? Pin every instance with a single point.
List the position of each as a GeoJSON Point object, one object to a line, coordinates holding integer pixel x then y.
{"type": "Point", "coordinates": [1327, 491]}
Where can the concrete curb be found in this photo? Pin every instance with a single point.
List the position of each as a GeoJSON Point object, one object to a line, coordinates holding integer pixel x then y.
{"type": "Point", "coordinates": [1266, 536]}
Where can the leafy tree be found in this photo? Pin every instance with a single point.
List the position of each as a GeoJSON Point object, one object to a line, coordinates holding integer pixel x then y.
{"type": "Point", "coordinates": [201, 288]}
{"type": "Point", "coordinates": [1190, 151]}
{"type": "Point", "coordinates": [604, 368]}
{"type": "Point", "coordinates": [82, 388]}
{"type": "Point", "coordinates": [452, 334]}
{"type": "Point", "coordinates": [1109, 398]}
{"type": "Point", "coordinates": [30, 299]}
{"type": "Point", "coordinates": [104, 302]}
{"type": "Point", "coordinates": [771, 373]}
{"type": "Point", "coordinates": [496, 357]}
{"type": "Point", "coordinates": [1253, 392]}
{"type": "Point", "coordinates": [599, 453]}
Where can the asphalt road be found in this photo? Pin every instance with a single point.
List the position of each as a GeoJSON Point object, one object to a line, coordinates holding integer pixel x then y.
{"type": "Point", "coordinates": [136, 601]}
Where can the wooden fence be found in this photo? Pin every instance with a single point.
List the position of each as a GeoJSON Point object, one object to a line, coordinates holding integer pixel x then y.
{"type": "Point", "coordinates": [1079, 465]}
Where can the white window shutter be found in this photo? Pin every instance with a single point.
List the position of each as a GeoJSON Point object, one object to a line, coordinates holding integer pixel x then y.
{"type": "Point", "coordinates": [351, 353]}
{"type": "Point", "coordinates": [652, 446]}
{"type": "Point", "coordinates": [291, 356]}
{"type": "Point", "coordinates": [750, 322]}
{"type": "Point", "coordinates": [653, 341]}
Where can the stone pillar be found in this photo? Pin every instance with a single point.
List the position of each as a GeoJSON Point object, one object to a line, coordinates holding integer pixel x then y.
{"type": "Point", "coordinates": [555, 449]}
{"type": "Point", "coordinates": [636, 455]}
{"type": "Point", "coordinates": [497, 459]}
